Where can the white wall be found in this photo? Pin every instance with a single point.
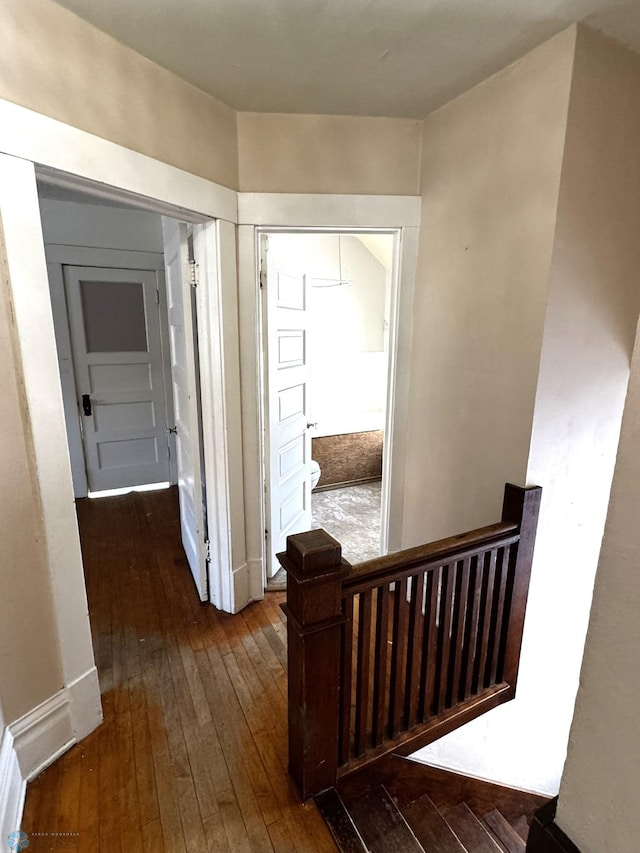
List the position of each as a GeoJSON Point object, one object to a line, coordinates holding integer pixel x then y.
{"type": "Point", "coordinates": [347, 342]}
{"type": "Point", "coordinates": [598, 803]}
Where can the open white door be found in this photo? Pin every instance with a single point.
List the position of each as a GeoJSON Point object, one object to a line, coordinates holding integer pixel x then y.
{"type": "Point", "coordinates": [115, 334]}
{"type": "Point", "coordinates": [186, 401]}
{"type": "Point", "coordinates": [288, 478]}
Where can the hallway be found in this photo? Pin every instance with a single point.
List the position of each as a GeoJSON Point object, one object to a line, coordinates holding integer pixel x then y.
{"type": "Point", "coordinates": [192, 754]}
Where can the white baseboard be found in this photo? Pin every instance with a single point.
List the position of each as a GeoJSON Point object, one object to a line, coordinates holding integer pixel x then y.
{"type": "Point", "coordinates": [42, 734]}
{"type": "Point", "coordinates": [53, 727]}
{"type": "Point", "coordinates": [33, 742]}
{"type": "Point", "coordinates": [12, 787]}
{"type": "Point", "coordinates": [85, 704]}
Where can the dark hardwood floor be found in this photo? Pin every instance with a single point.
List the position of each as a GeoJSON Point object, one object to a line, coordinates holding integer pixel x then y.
{"type": "Point", "coordinates": [192, 754]}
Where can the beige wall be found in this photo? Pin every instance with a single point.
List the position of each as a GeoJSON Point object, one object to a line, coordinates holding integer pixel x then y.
{"type": "Point", "coordinates": [328, 154]}
{"type": "Point", "coordinates": [29, 653]}
{"type": "Point", "coordinates": [491, 164]}
{"type": "Point", "coordinates": [589, 327]}
{"type": "Point", "coordinates": [56, 64]}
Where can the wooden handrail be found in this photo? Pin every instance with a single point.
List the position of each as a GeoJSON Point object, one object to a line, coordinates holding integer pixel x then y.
{"type": "Point", "coordinates": [399, 564]}
{"type": "Point", "coordinates": [392, 653]}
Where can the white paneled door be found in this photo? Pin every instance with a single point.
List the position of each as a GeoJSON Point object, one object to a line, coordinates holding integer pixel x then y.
{"type": "Point", "coordinates": [115, 335]}
{"type": "Point", "coordinates": [186, 401]}
{"type": "Point", "coordinates": [289, 441]}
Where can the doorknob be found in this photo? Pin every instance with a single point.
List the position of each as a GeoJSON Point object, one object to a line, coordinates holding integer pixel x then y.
{"type": "Point", "coordinates": [310, 426]}
{"type": "Point", "coordinates": [86, 404]}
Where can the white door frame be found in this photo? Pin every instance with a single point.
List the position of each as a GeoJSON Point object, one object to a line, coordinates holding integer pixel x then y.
{"type": "Point", "coordinates": [79, 159]}
{"type": "Point", "coordinates": [263, 213]}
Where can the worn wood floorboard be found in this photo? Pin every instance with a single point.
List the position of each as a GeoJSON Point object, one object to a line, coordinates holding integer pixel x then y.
{"type": "Point", "coordinates": [191, 756]}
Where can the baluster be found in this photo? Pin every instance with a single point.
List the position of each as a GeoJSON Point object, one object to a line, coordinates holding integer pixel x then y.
{"type": "Point", "coordinates": [486, 606]}
{"type": "Point", "coordinates": [414, 663]}
{"type": "Point", "coordinates": [363, 668]}
{"type": "Point", "coordinates": [381, 669]}
{"type": "Point", "coordinates": [346, 688]}
{"type": "Point", "coordinates": [496, 615]}
{"type": "Point", "coordinates": [444, 637]}
{"type": "Point", "coordinates": [398, 657]}
{"type": "Point", "coordinates": [471, 633]}
{"type": "Point", "coordinates": [429, 644]}
{"type": "Point", "coordinates": [457, 630]}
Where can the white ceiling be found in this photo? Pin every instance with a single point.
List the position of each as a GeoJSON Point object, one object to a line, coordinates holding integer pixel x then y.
{"type": "Point", "coordinates": [349, 57]}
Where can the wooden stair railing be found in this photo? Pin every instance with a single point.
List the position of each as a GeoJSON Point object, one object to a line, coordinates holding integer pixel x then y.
{"type": "Point", "coordinates": [391, 654]}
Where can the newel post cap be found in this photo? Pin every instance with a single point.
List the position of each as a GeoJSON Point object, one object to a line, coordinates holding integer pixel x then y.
{"type": "Point", "coordinates": [311, 553]}
{"type": "Point", "coordinates": [315, 568]}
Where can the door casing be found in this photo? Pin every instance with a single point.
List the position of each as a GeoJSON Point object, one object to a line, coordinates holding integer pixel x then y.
{"type": "Point", "coordinates": [274, 213]}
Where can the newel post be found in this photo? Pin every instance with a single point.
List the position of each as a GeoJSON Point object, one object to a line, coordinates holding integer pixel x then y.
{"type": "Point", "coordinates": [314, 567]}
{"type": "Point", "coordinates": [521, 506]}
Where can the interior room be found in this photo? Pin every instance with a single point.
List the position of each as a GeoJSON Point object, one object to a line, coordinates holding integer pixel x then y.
{"type": "Point", "coordinates": [348, 280]}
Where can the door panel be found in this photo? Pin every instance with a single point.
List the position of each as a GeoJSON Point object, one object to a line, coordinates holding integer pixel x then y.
{"type": "Point", "coordinates": [115, 335]}
{"type": "Point", "coordinates": [186, 401]}
{"type": "Point", "coordinates": [288, 439]}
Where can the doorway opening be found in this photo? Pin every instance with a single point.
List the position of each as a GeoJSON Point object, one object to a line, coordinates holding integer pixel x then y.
{"type": "Point", "coordinates": [327, 311]}
{"type": "Point", "coordinates": [126, 335]}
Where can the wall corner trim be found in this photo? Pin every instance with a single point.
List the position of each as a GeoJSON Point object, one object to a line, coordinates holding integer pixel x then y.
{"type": "Point", "coordinates": [12, 787]}
{"type": "Point", "coordinates": [256, 583]}
{"type": "Point", "coordinates": [545, 836]}
{"type": "Point", "coordinates": [240, 587]}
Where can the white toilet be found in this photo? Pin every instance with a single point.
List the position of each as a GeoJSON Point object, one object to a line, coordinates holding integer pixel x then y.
{"type": "Point", "coordinates": [315, 474]}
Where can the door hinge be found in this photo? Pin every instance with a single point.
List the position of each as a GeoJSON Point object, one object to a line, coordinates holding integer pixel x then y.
{"type": "Point", "coordinates": [173, 430]}
{"type": "Point", "coordinates": [207, 544]}
{"type": "Point", "coordinates": [263, 277]}
{"type": "Point", "coordinates": [194, 274]}
{"type": "Point", "coordinates": [157, 297]}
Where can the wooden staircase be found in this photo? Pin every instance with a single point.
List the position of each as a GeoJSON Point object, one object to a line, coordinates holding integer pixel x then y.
{"type": "Point", "coordinates": [396, 804]}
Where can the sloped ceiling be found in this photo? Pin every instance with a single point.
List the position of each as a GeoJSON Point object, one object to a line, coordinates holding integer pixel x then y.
{"type": "Point", "coordinates": [399, 58]}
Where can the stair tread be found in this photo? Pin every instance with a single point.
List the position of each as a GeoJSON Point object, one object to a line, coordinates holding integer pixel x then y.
{"type": "Point", "coordinates": [430, 827]}
{"type": "Point", "coordinates": [381, 824]}
{"type": "Point", "coordinates": [521, 826]}
{"type": "Point", "coordinates": [339, 821]}
{"type": "Point", "coordinates": [504, 832]}
{"type": "Point", "coordinates": [470, 831]}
